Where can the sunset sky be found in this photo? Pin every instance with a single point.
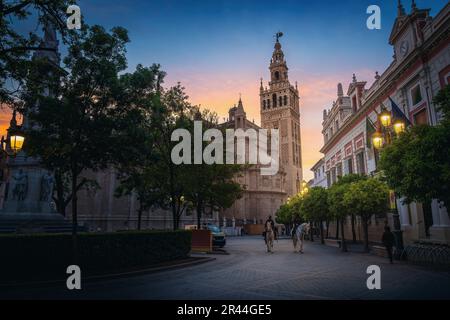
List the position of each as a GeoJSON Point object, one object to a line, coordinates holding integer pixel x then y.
{"type": "Point", "coordinates": [220, 48]}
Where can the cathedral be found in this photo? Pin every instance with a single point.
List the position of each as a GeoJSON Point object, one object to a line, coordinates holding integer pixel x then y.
{"type": "Point", "coordinates": [279, 109]}
{"type": "Point", "coordinates": [262, 196]}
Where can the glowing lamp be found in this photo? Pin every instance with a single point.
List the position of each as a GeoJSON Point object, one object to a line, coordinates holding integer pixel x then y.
{"type": "Point", "coordinates": [16, 143]}
{"type": "Point", "coordinates": [377, 140]}
{"type": "Point", "coordinates": [399, 126]}
{"type": "Point", "coordinates": [385, 118]}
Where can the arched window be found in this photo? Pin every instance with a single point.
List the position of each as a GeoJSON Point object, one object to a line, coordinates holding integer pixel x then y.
{"type": "Point", "coordinates": [280, 101]}
{"type": "Point", "coordinates": [274, 99]}
{"type": "Point", "coordinates": [277, 75]}
{"type": "Point", "coordinates": [264, 104]}
{"type": "Point", "coordinates": [268, 104]}
{"type": "Point", "coordinates": [285, 100]}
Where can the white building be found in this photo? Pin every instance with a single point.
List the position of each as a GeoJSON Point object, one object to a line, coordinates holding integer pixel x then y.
{"type": "Point", "coordinates": [419, 70]}
{"type": "Point", "coordinates": [320, 178]}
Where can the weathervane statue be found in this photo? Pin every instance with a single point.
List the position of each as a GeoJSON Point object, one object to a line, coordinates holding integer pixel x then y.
{"type": "Point", "coordinates": [278, 35]}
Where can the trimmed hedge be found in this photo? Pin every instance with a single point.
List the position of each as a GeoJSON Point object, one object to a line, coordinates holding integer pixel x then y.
{"type": "Point", "coordinates": [40, 257]}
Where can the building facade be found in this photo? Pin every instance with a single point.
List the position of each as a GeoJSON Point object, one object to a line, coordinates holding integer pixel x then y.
{"type": "Point", "coordinates": [419, 70]}
{"type": "Point", "coordinates": [320, 178]}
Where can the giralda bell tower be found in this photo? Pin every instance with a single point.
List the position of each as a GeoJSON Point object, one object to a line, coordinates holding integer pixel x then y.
{"type": "Point", "coordinates": [280, 110]}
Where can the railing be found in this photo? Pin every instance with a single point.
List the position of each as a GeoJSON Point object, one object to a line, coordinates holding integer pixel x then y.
{"type": "Point", "coordinates": [436, 254]}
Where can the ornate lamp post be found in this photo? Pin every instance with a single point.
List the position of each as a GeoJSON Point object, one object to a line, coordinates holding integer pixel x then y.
{"type": "Point", "coordinates": [12, 146]}
{"type": "Point", "coordinates": [13, 143]}
{"type": "Point", "coordinates": [389, 129]}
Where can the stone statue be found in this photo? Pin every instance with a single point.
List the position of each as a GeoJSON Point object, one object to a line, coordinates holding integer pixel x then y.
{"type": "Point", "coordinates": [21, 185]}
{"type": "Point", "coordinates": [46, 186]}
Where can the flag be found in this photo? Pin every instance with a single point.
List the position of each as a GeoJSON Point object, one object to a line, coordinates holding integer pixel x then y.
{"type": "Point", "coordinates": [397, 113]}
{"type": "Point", "coordinates": [370, 130]}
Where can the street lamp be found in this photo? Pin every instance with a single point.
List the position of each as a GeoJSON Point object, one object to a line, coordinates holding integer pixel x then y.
{"type": "Point", "coordinates": [399, 126]}
{"type": "Point", "coordinates": [383, 136]}
{"type": "Point", "coordinates": [14, 143]}
{"type": "Point", "coordinates": [378, 140]}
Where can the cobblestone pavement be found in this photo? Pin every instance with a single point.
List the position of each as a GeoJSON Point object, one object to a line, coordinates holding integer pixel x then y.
{"type": "Point", "coordinates": [248, 272]}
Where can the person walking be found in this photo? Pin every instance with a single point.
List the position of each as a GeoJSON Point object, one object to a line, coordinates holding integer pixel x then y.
{"type": "Point", "coordinates": [388, 241]}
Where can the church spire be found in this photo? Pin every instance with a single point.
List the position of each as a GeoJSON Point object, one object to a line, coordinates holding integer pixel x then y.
{"type": "Point", "coordinates": [278, 67]}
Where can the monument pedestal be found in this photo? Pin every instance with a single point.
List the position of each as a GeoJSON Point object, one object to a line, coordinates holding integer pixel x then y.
{"type": "Point", "coordinates": [28, 206]}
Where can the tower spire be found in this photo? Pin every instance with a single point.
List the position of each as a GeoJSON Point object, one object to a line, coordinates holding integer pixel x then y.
{"type": "Point", "coordinates": [401, 10]}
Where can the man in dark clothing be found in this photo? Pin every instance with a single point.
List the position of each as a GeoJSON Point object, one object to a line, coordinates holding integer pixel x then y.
{"type": "Point", "coordinates": [388, 241]}
{"type": "Point", "coordinates": [272, 223]}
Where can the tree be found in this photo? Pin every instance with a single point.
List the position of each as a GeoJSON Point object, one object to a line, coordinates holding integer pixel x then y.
{"type": "Point", "coordinates": [315, 207]}
{"type": "Point", "coordinates": [416, 165]}
{"type": "Point", "coordinates": [366, 198]}
{"type": "Point", "coordinates": [211, 185]}
{"type": "Point", "coordinates": [15, 47]}
{"type": "Point", "coordinates": [338, 207]}
{"type": "Point", "coordinates": [141, 91]}
{"type": "Point", "coordinates": [347, 179]}
{"type": "Point", "coordinates": [284, 214]}
{"type": "Point", "coordinates": [80, 126]}
{"type": "Point", "coordinates": [167, 181]}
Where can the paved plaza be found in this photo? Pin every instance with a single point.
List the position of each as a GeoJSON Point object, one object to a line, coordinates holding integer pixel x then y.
{"type": "Point", "coordinates": [248, 272]}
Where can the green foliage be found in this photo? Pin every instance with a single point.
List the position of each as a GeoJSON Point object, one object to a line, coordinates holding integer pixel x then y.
{"type": "Point", "coordinates": [366, 198]}
{"type": "Point", "coordinates": [315, 205]}
{"type": "Point", "coordinates": [416, 165]}
{"type": "Point", "coordinates": [338, 209]}
{"type": "Point", "coordinates": [350, 178]}
{"type": "Point", "coordinates": [49, 255]}
{"type": "Point", "coordinates": [291, 211]}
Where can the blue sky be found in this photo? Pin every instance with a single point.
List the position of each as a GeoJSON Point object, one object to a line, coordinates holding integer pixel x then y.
{"type": "Point", "coordinates": [218, 49]}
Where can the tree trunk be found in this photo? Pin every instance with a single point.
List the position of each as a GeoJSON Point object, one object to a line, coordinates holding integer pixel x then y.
{"type": "Point", "coordinates": [353, 229]}
{"type": "Point", "coordinates": [139, 218]}
{"type": "Point", "coordinates": [322, 241]}
{"type": "Point", "coordinates": [74, 217]}
{"type": "Point", "coordinates": [337, 229]}
{"type": "Point", "coordinates": [199, 214]}
{"type": "Point", "coordinates": [174, 214]}
{"type": "Point", "coordinates": [311, 232]}
{"type": "Point", "coordinates": [366, 234]}
{"type": "Point", "coordinates": [59, 200]}
{"type": "Point", "coordinates": [327, 223]}
{"type": "Point", "coordinates": [343, 243]}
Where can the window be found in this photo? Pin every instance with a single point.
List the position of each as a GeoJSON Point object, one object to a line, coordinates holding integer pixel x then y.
{"type": "Point", "coordinates": [285, 100]}
{"type": "Point", "coordinates": [339, 170]}
{"type": "Point", "coordinates": [277, 75]}
{"type": "Point", "coordinates": [274, 99]}
{"type": "Point", "coordinates": [350, 166]}
{"type": "Point", "coordinates": [331, 132]}
{"type": "Point", "coordinates": [333, 175]}
{"type": "Point", "coordinates": [360, 163]}
{"type": "Point", "coordinates": [280, 101]}
{"type": "Point", "coordinates": [416, 95]}
{"type": "Point", "coordinates": [326, 137]}
{"type": "Point", "coordinates": [328, 179]}
{"type": "Point", "coordinates": [421, 117]}
{"type": "Point", "coordinates": [268, 104]}
{"type": "Point", "coordinates": [337, 125]}
{"type": "Point", "coordinates": [264, 104]}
